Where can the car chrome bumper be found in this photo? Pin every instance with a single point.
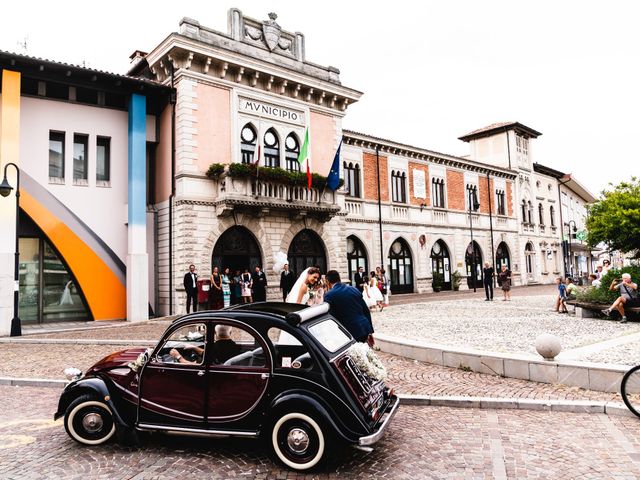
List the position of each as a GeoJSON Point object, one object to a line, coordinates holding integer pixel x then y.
{"type": "Point", "coordinates": [374, 437]}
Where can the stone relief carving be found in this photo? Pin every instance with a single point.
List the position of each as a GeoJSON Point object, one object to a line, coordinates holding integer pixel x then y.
{"type": "Point", "coordinates": [252, 32]}
{"type": "Point", "coordinates": [284, 44]}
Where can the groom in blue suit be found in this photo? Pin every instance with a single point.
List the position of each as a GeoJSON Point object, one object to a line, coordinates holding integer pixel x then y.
{"type": "Point", "coordinates": [348, 307]}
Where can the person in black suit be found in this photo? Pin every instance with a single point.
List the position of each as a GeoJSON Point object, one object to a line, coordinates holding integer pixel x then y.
{"type": "Point", "coordinates": [359, 279]}
{"type": "Point", "coordinates": [259, 280]}
{"type": "Point", "coordinates": [348, 307]}
{"type": "Point", "coordinates": [191, 287]}
{"type": "Point", "coordinates": [487, 278]}
{"type": "Point", "coordinates": [287, 279]}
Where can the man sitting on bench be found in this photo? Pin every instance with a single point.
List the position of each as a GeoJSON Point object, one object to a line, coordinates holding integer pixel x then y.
{"type": "Point", "coordinates": [628, 296]}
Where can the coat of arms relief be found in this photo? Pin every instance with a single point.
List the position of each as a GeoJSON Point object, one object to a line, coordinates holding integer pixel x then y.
{"type": "Point", "coordinates": [271, 34]}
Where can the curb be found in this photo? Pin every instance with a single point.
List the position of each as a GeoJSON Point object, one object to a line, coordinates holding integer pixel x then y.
{"type": "Point", "coordinates": [33, 382]}
{"type": "Point", "coordinates": [496, 403]}
{"type": "Point", "coordinates": [600, 377]}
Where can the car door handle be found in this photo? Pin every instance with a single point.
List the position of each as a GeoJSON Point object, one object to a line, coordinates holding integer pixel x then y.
{"type": "Point", "coordinates": [200, 373]}
{"type": "Point", "coordinates": [264, 376]}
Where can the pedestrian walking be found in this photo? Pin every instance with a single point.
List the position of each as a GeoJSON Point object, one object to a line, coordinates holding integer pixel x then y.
{"type": "Point", "coordinates": [561, 299]}
{"type": "Point", "coordinates": [190, 283]}
{"type": "Point", "coordinates": [487, 279]}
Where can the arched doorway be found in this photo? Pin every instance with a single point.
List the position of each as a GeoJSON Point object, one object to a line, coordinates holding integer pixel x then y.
{"type": "Point", "coordinates": [237, 249]}
{"type": "Point", "coordinates": [401, 267]}
{"type": "Point", "coordinates": [440, 262]}
{"type": "Point", "coordinates": [306, 250]}
{"type": "Point", "coordinates": [473, 260]}
{"type": "Point", "coordinates": [529, 254]}
{"type": "Point", "coordinates": [502, 256]}
{"type": "Point", "coordinates": [356, 256]}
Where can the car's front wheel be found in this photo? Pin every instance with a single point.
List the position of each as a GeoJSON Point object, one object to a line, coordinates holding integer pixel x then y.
{"type": "Point", "coordinates": [298, 441]}
{"type": "Point", "coordinates": [89, 421]}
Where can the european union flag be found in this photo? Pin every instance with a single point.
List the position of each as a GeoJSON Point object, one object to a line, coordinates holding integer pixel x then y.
{"type": "Point", "coordinates": [333, 179]}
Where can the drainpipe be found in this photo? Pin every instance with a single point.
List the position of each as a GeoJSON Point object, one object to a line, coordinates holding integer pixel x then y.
{"type": "Point", "coordinates": [493, 251]}
{"type": "Point", "coordinates": [173, 187]}
{"type": "Point", "coordinates": [508, 149]}
{"type": "Point", "coordinates": [380, 207]}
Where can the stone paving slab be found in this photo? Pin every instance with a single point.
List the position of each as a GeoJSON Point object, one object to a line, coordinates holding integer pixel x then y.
{"type": "Point", "coordinates": [422, 442]}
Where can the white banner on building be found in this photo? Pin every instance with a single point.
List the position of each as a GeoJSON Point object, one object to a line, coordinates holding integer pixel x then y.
{"type": "Point", "coordinates": [419, 184]}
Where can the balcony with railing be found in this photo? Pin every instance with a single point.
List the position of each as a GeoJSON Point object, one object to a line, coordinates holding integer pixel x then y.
{"type": "Point", "coordinates": [399, 212]}
{"type": "Point", "coordinates": [353, 207]}
{"type": "Point", "coordinates": [440, 216]}
{"type": "Point", "coordinates": [253, 194]}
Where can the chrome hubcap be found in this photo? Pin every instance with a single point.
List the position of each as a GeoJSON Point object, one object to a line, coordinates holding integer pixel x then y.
{"type": "Point", "coordinates": [298, 440]}
{"type": "Point", "coordinates": [92, 422]}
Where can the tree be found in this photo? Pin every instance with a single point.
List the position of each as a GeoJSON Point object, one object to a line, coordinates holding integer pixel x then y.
{"type": "Point", "coordinates": [615, 218]}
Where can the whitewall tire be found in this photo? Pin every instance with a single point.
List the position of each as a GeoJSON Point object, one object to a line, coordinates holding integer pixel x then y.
{"type": "Point", "coordinates": [89, 421]}
{"type": "Point", "coordinates": [298, 441]}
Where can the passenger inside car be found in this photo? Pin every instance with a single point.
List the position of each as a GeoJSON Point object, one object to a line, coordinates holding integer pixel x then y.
{"type": "Point", "coordinates": [224, 347]}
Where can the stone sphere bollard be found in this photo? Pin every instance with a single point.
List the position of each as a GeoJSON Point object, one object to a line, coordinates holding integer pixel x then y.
{"type": "Point", "coordinates": [548, 346]}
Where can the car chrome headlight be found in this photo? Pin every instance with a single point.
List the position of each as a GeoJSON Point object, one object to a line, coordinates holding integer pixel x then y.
{"type": "Point", "coordinates": [72, 373]}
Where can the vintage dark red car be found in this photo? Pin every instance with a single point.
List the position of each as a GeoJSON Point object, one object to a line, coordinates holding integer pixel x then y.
{"type": "Point", "coordinates": [278, 371]}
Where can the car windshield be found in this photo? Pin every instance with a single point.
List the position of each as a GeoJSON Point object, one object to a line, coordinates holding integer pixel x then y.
{"type": "Point", "coordinates": [330, 335]}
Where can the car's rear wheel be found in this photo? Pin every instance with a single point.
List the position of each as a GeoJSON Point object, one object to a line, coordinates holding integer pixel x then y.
{"type": "Point", "coordinates": [298, 441]}
{"type": "Point", "coordinates": [89, 421]}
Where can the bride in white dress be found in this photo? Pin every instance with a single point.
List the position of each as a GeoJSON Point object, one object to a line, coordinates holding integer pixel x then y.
{"type": "Point", "coordinates": [371, 293]}
{"type": "Point", "coordinates": [308, 288]}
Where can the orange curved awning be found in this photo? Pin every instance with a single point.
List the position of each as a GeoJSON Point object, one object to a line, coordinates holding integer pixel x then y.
{"type": "Point", "coordinates": [104, 292]}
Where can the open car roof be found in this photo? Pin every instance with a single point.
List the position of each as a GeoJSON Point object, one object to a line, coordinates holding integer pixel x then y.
{"type": "Point", "coordinates": [278, 308]}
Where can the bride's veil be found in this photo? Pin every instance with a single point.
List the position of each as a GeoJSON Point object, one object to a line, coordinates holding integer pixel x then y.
{"type": "Point", "coordinates": [295, 290]}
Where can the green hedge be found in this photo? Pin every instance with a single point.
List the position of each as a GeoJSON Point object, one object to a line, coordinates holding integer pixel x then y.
{"type": "Point", "coordinates": [244, 170]}
{"type": "Point", "coordinates": [602, 293]}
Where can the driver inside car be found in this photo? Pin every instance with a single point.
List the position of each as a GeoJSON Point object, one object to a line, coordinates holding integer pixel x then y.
{"type": "Point", "coordinates": [177, 356]}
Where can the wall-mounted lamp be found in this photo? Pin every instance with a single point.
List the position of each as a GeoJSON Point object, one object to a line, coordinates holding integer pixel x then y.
{"type": "Point", "coordinates": [423, 206]}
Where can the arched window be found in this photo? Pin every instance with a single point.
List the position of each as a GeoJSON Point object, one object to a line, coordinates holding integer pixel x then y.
{"type": "Point", "coordinates": [352, 179]}
{"type": "Point", "coordinates": [398, 186]}
{"type": "Point", "coordinates": [291, 152]}
{"type": "Point", "coordinates": [529, 252]}
{"type": "Point", "coordinates": [552, 216]}
{"type": "Point", "coordinates": [530, 213]}
{"type": "Point", "coordinates": [541, 214]}
{"type": "Point", "coordinates": [437, 192]}
{"type": "Point", "coordinates": [356, 256]}
{"type": "Point", "coordinates": [473, 261]}
{"type": "Point", "coordinates": [400, 267]}
{"type": "Point", "coordinates": [472, 198]}
{"type": "Point", "coordinates": [524, 211]}
{"type": "Point", "coordinates": [441, 263]}
{"type": "Point", "coordinates": [237, 249]}
{"type": "Point", "coordinates": [271, 149]}
{"type": "Point", "coordinates": [248, 138]}
{"type": "Point", "coordinates": [306, 250]}
{"type": "Point", "coordinates": [502, 256]}
{"type": "Point", "coordinates": [500, 203]}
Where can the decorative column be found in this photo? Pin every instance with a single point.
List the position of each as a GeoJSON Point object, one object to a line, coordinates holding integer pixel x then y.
{"type": "Point", "coordinates": [9, 153]}
{"type": "Point", "coordinates": [137, 257]}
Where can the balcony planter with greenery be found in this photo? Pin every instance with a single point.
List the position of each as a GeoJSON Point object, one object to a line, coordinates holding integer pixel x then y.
{"type": "Point", "coordinates": [437, 281]}
{"type": "Point", "coordinates": [269, 174]}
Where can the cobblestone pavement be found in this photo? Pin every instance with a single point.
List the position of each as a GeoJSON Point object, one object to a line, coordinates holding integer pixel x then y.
{"type": "Point", "coordinates": [498, 326]}
{"type": "Point", "coordinates": [407, 376]}
{"type": "Point", "coordinates": [422, 442]}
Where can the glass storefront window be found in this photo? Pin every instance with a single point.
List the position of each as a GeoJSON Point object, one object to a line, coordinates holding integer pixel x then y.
{"type": "Point", "coordinates": [47, 289]}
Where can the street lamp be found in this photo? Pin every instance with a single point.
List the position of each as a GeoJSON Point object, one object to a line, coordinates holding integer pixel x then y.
{"type": "Point", "coordinates": [569, 252]}
{"type": "Point", "coordinates": [5, 190]}
{"type": "Point", "coordinates": [472, 194]}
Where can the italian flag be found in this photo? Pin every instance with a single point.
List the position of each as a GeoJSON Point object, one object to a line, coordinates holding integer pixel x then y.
{"type": "Point", "coordinates": [304, 156]}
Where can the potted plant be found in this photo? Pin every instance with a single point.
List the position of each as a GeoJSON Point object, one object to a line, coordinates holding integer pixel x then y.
{"type": "Point", "coordinates": [437, 281]}
{"type": "Point", "coordinates": [456, 279]}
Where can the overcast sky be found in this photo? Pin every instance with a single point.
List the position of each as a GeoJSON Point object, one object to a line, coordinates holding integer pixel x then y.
{"type": "Point", "coordinates": [430, 71]}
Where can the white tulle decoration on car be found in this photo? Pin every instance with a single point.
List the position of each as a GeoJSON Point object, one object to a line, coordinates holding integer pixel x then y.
{"type": "Point", "coordinates": [279, 260]}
